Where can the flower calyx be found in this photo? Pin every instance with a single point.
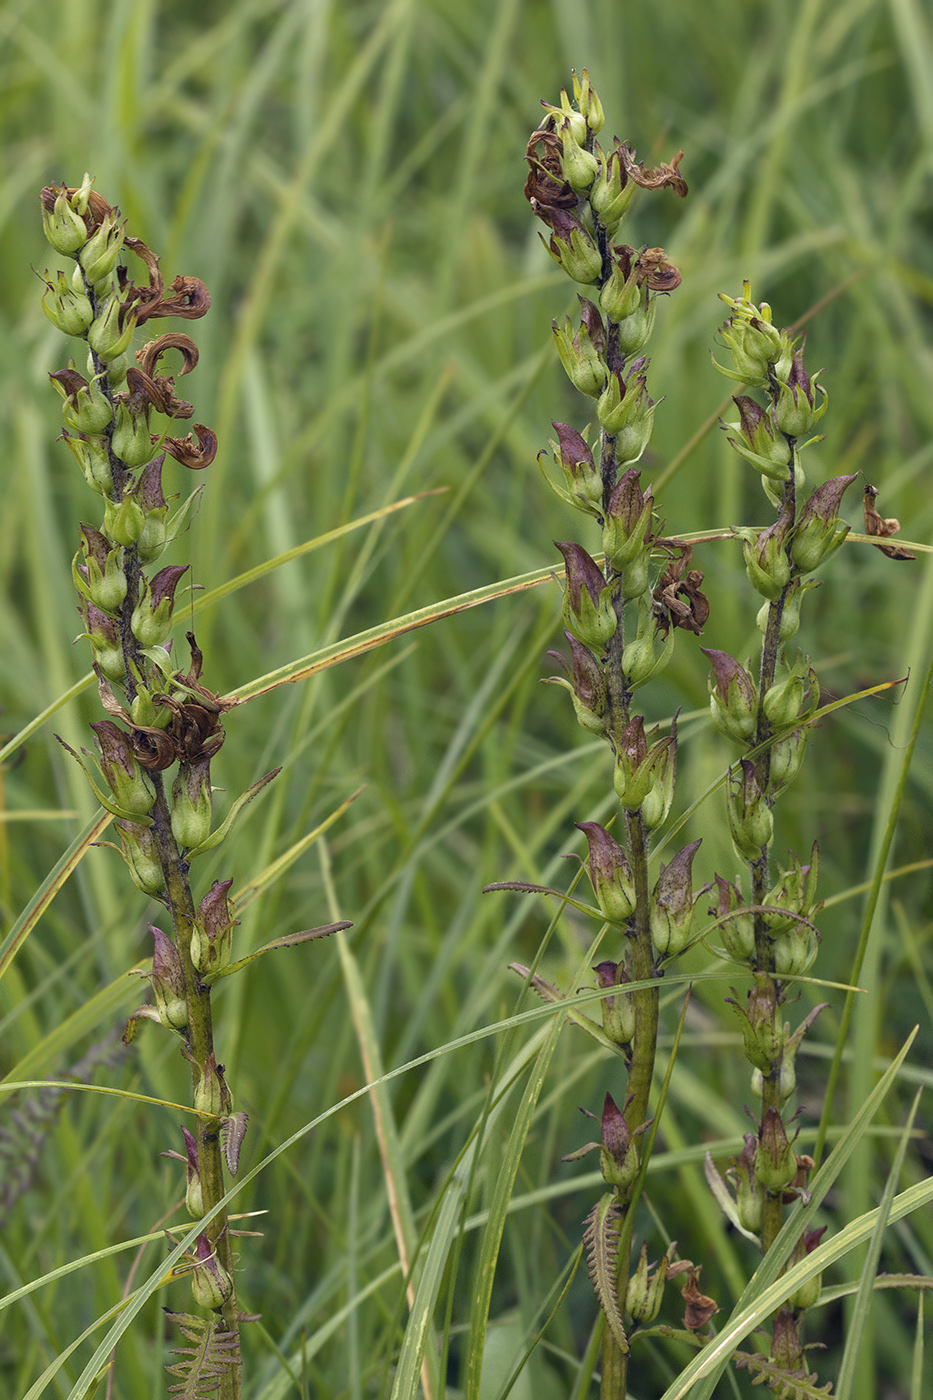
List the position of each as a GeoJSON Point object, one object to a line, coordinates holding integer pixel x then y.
{"type": "Point", "coordinates": [673, 902]}
{"type": "Point", "coordinates": [586, 683]}
{"type": "Point", "coordinates": [588, 609]}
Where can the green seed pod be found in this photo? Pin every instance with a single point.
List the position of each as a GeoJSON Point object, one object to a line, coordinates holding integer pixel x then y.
{"type": "Point", "coordinates": [111, 333]}
{"type": "Point", "coordinates": [609, 873]}
{"type": "Point", "coordinates": [211, 1095]}
{"type": "Point", "coordinates": [168, 981]}
{"type": "Point", "coordinates": [127, 781]}
{"type": "Point", "coordinates": [775, 1161]}
{"type": "Point", "coordinates": [100, 254]}
{"type": "Point", "coordinates": [192, 805]}
{"type": "Point", "coordinates": [212, 936]}
{"type": "Point", "coordinates": [751, 821]}
{"type": "Point", "coordinates": [733, 696]}
{"type": "Point", "coordinates": [131, 440]}
{"type": "Point", "coordinates": [211, 1285]}
{"type": "Point", "coordinates": [140, 851]}
{"type": "Point", "coordinates": [64, 228]}
{"type": "Point", "coordinates": [124, 521]}
{"type": "Point", "coordinates": [618, 1012]}
{"type": "Point", "coordinates": [151, 622]}
{"type": "Point", "coordinates": [70, 311]}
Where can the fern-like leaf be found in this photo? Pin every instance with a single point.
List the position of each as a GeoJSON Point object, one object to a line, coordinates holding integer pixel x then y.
{"type": "Point", "coordinates": [601, 1238]}
{"type": "Point", "coordinates": [30, 1121]}
{"type": "Point", "coordinates": [232, 1133]}
{"type": "Point", "coordinates": [214, 1352]}
{"type": "Point", "coordinates": [786, 1385]}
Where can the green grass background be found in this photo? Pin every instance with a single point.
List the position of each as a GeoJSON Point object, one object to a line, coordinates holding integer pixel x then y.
{"type": "Point", "coordinates": [347, 179]}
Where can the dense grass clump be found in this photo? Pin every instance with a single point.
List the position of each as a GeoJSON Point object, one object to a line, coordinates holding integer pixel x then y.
{"type": "Point", "coordinates": [348, 181]}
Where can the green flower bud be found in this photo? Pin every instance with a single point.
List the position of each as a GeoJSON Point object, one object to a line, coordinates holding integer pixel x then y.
{"type": "Point", "coordinates": [93, 458]}
{"type": "Point", "coordinates": [756, 441]}
{"type": "Point", "coordinates": [578, 166]}
{"type": "Point", "coordinates": [194, 1197]}
{"type": "Point", "coordinates": [586, 683]}
{"type": "Point", "coordinates": [86, 409]}
{"type": "Point", "coordinates": [609, 873]}
{"type": "Point", "coordinates": [131, 440]}
{"type": "Point", "coordinates": [192, 805]}
{"type": "Point", "coordinates": [644, 1294]}
{"type": "Point", "coordinates": [105, 580]}
{"type": "Point", "coordinates": [626, 412]}
{"type": "Point", "coordinates": [618, 1157]}
{"type": "Point", "coordinates": [587, 609]}
{"type": "Point", "coordinates": [582, 477]}
{"type": "Point", "coordinates": [211, 1095]}
{"type": "Point", "coordinates": [672, 903]}
{"type": "Point", "coordinates": [733, 697]}
{"type": "Point", "coordinates": [635, 579]}
{"type": "Point", "coordinates": [127, 781]}
{"type": "Point", "coordinates": [580, 357]}
{"type": "Point", "coordinates": [622, 294]}
{"type": "Point", "coordinates": [112, 330]}
{"type": "Point", "coordinates": [154, 534]}
{"type": "Point", "coordinates": [764, 1035]}
{"type": "Point", "coordinates": [794, 892]}
{"type": "Point", "coordinates": [751, 821]}
{"type": "Point", "coordinates": [766, 561]}
{"type": "Point", "coordinates": [70, 311]}
{"type": "Point", "coordinates": [100, 254]}
{"type": "Point", "coordinates": [104, 637]}
{"type": "Point", "coordinates": [124, 520]}
{"type": "Point", "coordinates": [795, 951]}
{"type": "Point", "coordinates": [819, 532]}
{"type": "Point", "coordinates": [642, 658]}
{"type": "Point", "coordinates": [640, 661]}
{"type": "Point", "coordinates": [140, 850]}
{"type": "Point", "coordinates": [151, 622]}
{"type": "Point", "coordinates": [749, 1196]}
{"type": "Point", "coordinates": [787, 759]}
{"type": "Point", "coordinates": [211, 1285]}
{"type": "Point", "coordinates": [628, 520]}
{"type": "Point", "coordinates": [737, 928]}
{"type": "Point", "coordinates": [787, 1080]}
{"type": "Point", "coordinates": [212, 936]}
{"type": "Point", "coordinates": [618, 1011]}
{"type": "Point", "coordinates": [753, 342]}
{"type": "Point", "coordinates": [775, 1161]}
{"type": "Point", "coordinates": [567, 115]}
{"type": "Point", "coordinates": [62, 225]}
{"type": "Point", "coordinates": [168, 981]}
{"type": "Point", "coordinates": [571, 247]}
{"type": "Point", "coordinates": [657, 801]}
{"type": "Point", "coordinates": [808, 1294]}
{"type": "Point", "coordinates": [635, 775]}
{"type": "Point", "coordinates": [794, 411]}
{"type": "Point", "coordinates": [612, 191]}
{"type": "Point", "coordinates": [783, 703]}
{"type": "Point", "coordinates": [587, 100]}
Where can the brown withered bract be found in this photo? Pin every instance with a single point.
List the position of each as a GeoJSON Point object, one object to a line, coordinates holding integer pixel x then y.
{"type": "Point", "coordinates": [699, 1308]}
{"type": "Point", "coordinates": [191, 454]}
{"type": "Point", "coordinates": [667, 174]}
{"type": "Point", "coordinates": [546, 184]}
{"type": "Point", "coordinates": [677, 597]}
{"type": "Point", "coordinates": [650, 266]}
{"type": "Point", "coordinates": [875, 524]}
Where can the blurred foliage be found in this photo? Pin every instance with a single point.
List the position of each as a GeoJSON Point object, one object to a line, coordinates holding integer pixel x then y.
{"type": "Point", "coordinates": [347, 179]}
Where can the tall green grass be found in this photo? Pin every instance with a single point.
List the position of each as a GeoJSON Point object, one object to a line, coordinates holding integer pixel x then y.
{"type": "Point", "coordinates": [347, 180]}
